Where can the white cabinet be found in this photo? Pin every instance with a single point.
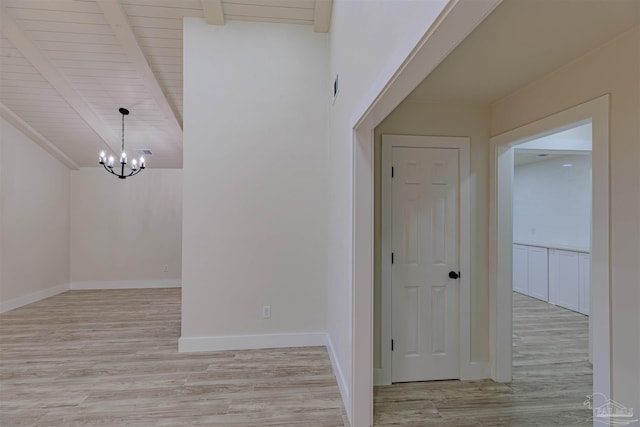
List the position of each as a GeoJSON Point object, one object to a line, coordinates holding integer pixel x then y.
{"type": "Point", "coordinates": [564, 286]}
{"type": "Point", "coordinates": [530, 271]}
{"type": "Point", "coordinates": [561, 277]}
{"type": "Point", "coordinates": [521, 269]}
{"type": "Point", "coordinates": [538, 273]}
{"type": "Point", "coordinates": [569, 279]}
{"type": "Point", "coordinates": [585, 283]}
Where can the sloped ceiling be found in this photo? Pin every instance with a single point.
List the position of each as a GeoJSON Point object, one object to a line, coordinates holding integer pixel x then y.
{"type": "Point", "coordinates": [523, 40]}
{"type": "Point", "coordinates": [66, 66]}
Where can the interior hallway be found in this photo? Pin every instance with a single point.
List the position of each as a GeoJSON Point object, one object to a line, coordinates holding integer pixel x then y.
{"type": "Point", "coordinates": [552, 378]}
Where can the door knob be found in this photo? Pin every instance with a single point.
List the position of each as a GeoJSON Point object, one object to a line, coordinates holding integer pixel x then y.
{"type": "Point", "coordinates": [453, 275]}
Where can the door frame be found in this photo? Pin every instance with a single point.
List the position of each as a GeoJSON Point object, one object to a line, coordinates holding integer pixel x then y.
{"type": "Point", "coordinates": [462, 144]}
{"type": "Point", "coordinates": [420, 52]}
{"type": "Point", "coordinates": [501, 236]}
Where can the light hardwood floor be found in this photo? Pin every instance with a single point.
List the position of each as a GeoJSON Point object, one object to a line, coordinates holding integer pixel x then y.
{"type": "Point", "coordinates": [109, 358]}
{"type": "Point", "coordinates": [551, 379]}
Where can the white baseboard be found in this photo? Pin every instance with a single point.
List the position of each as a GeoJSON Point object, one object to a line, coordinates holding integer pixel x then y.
{"type": "Point", "coordinates": [337, 370]}
{"type": "Point", "coordinates": [476, 371]}
{"type": "Point", "coordinates": [31, 298]}
{"type": "Point", "coordinates": [250, 342]}
{"type": "Point", "coordinates": [379, 377]}
{"type": "Point", "coordinates": [126, 284]}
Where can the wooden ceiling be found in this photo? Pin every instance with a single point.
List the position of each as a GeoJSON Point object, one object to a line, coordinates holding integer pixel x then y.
{"type": "Point", "coordinates": [66, 66]}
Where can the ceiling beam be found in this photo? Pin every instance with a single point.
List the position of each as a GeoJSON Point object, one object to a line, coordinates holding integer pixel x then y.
{"type": "Point", "coordinates": [13, 119]}
{"type": "Point", "coordinates": [30, 51]}
{"type": "Point", "coordinates": [322, 16]}
{"type": "Point", "coordinates": [117, 19]}
{"type": "Point", "coordinates": [213, 13]}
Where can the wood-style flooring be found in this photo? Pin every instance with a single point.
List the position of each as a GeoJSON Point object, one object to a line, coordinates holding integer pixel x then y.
{"type": "Point", "coordinates": [551, 379]}
{"type": "Point", "coordinates": [109, 358]}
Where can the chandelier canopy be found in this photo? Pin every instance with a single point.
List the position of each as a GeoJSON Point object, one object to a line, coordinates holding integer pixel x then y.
{"type": "Point", "coordinates": [136, 165]}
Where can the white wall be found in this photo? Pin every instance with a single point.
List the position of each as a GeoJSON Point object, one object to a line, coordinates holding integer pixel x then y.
{"type": "Point", "coordinates": [411, 118]}
{"type": "Point", "coordinates": [124, 232]}
{"type": "Point", "coordinates": [255, 192]}
{"type": "Point", "coordinates": [588, 78]}
{"type": "Point", "coordinates": [367, 40]}
{"type": "Point", "coordinates": [552, 203]}
{"type": "Point", "coordinates": [34, 216]}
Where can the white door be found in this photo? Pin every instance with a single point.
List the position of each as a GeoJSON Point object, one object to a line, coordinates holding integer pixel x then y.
{"type": "Point", "coordinates": [424, 228]}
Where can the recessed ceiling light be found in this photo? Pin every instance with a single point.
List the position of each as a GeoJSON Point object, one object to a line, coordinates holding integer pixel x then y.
{"type": "Point", "coordinates": [567, 165]}
{"type": "Point", "coordinates": [143, 152]}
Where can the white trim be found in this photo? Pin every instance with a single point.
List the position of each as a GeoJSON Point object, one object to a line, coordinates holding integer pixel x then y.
{"type": "Point", "coordinates": [18, 302]}
{"type": "Point", "coordinates": [24, 127]}
{"type": "Point", "coordinates": [398, 78]}
{"type": "Point", "coordinates": [476, 371]}
{"type": "Point", "coordinates": [501, 237]}
{"type": "Point", "coordinates": [126, 284]}
{"type": "Point", "coordinates": [340, 379]}
{"type": "Point", "coordinates": [250, 342]}
{"type": "Point", "coordinates": [386, 356]}
{"type": "Point", "coordinates": [462, 144]}
{"type": "Point", "coordinates": [379, 377]}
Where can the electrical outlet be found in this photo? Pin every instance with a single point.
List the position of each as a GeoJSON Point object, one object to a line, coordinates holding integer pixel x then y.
{"type": "Point", "coordinates": [266, 312]}
{"type": "Point", "coordinates": [165, 268]}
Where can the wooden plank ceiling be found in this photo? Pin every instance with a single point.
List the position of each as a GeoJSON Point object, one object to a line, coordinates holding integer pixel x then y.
{"type": "Point", "coordinates": [66, 66]}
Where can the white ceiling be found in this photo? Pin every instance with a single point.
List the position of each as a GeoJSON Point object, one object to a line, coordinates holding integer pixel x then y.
{"type": "Point", "coordinates": [574, 141]}
{"type": "Point", "coordinates": [520, 41]}
{"type": "Point", "coordinates": [66, 66]}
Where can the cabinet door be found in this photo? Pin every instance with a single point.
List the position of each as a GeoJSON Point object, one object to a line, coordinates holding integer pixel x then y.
{"type": "Point", "coordinates": [585, 283]}
{"type": "Point", "coordinates": [564, 279]}
{"type": "Point", "coordinates": [520, 269]}
{"type": "Point", "coordinates": [538, 273]}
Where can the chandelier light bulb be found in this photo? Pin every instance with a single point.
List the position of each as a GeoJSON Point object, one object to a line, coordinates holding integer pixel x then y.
{"type": "Point", "coordinates": [134, 164]}
{"type": "Point", "coordinates": [142, 162]}
{"type": "Point", "coordinates": [111, 160]}
{"type": "Point", "coordinates": [103, 157]}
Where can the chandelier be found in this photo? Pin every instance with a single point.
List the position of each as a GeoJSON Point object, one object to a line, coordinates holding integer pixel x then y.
{"type": "Point", "coordinates": [136, 165]}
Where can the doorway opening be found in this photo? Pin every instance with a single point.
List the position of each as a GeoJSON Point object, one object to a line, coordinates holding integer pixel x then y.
{"type": "Point", "coordinates": [551, 263]}
{"type": "Point", "coordinates": [504, 263]}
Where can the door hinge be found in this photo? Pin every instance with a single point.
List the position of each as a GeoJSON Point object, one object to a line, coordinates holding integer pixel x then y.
{"type": "Point", "coordinates": [391, 257]}
{"type": "Point", "coordinates": [392, 171]}
{"type": "Point", "coordinates": [391, 345]}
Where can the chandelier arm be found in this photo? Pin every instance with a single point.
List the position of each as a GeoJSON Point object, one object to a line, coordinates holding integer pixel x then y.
{"type": "Point", "coordinates": [135, 172]}
{"type": "Point", "coordinates": [109, 170]}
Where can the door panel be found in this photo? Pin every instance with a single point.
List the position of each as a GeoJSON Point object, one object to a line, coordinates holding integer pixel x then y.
{"type": "Point", "coordinates": [424, 228]}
